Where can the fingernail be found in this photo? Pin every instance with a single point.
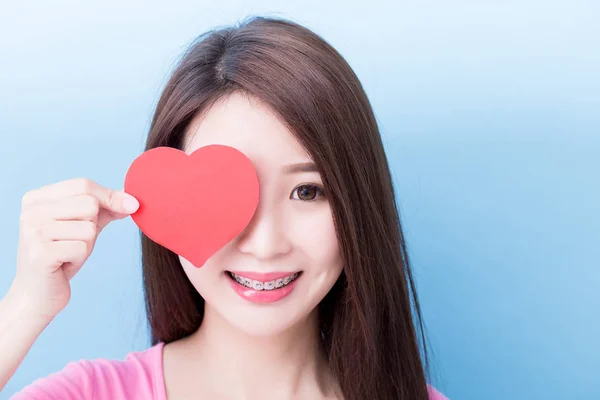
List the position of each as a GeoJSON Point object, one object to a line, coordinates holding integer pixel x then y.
{"type": "Point", "coordinates": [130, 204]}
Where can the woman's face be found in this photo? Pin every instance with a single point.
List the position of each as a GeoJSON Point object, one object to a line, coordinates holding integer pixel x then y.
{"type": "Point", "coordinates": [287, 258]}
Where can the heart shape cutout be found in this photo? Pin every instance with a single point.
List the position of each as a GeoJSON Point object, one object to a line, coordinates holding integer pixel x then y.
{"type": "Point", "coordinates": [193, 204]}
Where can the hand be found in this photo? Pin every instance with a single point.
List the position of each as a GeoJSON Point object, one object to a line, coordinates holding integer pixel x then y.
{"type": "Point", "coordinates": [59, 227]}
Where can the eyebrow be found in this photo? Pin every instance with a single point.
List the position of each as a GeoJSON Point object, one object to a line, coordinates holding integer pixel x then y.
{"type": "Point", "coordinates": [300, 167]}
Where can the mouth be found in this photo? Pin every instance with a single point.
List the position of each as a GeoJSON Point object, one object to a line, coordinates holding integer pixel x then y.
{"type": "Point", "coordinates": [266, 286]}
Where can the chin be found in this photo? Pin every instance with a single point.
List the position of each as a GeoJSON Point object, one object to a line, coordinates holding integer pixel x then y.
{"type": "Point", "coordinates": [264, 326]}
{"type": "Point", "coordinates": [262, 319]}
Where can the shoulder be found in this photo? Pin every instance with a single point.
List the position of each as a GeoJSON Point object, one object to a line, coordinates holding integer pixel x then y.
{"type": "Point", "coordinates": [434, 394]}
{"type": "Point", "coordinates": [139, 375]}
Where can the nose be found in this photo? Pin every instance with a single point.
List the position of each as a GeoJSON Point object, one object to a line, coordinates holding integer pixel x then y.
{"type": "Point", "coordinates": [265, 237]}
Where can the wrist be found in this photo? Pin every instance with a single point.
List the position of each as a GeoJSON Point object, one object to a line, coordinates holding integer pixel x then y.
{"type": "Point", "coordinates": [21, 308]}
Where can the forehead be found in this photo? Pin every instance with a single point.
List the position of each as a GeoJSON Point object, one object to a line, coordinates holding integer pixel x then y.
{"type": "Point", "coordinates": [249, 126]}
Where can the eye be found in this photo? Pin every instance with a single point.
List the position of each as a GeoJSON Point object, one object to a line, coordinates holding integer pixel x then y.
{"type": "Point", "coordinates": [308, 192]}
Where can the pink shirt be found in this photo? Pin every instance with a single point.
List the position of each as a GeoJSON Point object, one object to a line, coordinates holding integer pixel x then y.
{"type": "Point", "coordinates": [140, 376]}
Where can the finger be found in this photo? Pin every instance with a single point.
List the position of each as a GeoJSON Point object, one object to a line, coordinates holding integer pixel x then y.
{"type": "Point", "coordinates": [66, 251]}
{"type": "Point", "coordinates": [71, 187]}
{"type": "Point", "coordinates": [116, 201]}
{"type": "Point", "coordinates": [71, 269]}
{"type": "Point", "coordinates": [83, 208]}
{"type": "Point", "coordinates": [71, 230]}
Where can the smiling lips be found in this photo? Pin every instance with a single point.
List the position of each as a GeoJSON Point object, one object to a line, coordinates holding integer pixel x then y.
{"type": "Point", "coordinates": [260, 287]}
{"type": "Point", "coordinates": [262, 276]}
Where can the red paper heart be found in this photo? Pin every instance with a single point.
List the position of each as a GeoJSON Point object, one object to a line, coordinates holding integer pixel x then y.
{"type": "Point", "coordinates": [193, 205]}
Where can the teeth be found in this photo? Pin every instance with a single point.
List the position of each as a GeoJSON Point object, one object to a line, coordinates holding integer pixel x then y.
{"type": "Point", "coordinates": [271, 285]}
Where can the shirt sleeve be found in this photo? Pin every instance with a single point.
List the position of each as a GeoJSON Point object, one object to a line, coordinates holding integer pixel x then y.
{"type": "Point", "coordinates": [73, 382]}
{"type": "Point", "coordinates": [434, 394]}
{"type": "Point", "coordinates": [138, 377]}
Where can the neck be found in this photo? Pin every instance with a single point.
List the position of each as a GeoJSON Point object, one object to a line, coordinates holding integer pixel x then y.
{"type": "Point", "coordinates": [286, 366]}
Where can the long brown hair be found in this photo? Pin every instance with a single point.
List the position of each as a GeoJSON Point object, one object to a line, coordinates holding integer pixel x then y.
{"type": "Point", "coordinates": [371, 319]}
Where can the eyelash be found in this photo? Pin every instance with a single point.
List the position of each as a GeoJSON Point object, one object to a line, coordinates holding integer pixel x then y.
{"type": "Point", "coordinates": [320, 191]}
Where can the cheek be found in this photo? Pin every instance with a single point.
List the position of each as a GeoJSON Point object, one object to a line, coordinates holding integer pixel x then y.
{"type": "Point", "coordinates": [201, 278]}
{"type": "Point", "coordinates": [315, 235]}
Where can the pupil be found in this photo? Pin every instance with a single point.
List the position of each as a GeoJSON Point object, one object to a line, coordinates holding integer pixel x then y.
{"type": "Point", "coordinates": [306, 189]}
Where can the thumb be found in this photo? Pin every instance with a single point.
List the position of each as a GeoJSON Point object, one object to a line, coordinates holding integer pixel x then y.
{"type": "Point", "coordinates": [123, 203]}
{"type": "Point", "coordinates": [129, 203]}
{"type": "Point", "coordinates": [115, 201]}
{"type": "Point", "coordinates": [118, 206]}
{"type": "Point", "coordinates": [119, 203]}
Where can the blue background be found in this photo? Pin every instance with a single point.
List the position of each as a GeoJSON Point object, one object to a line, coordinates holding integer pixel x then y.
{"type": "Point", "coordinates": [489, 112]}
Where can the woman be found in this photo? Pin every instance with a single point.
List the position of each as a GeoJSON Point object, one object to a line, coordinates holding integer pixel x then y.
{"type": "Point", "coordinates": [311, 301]}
